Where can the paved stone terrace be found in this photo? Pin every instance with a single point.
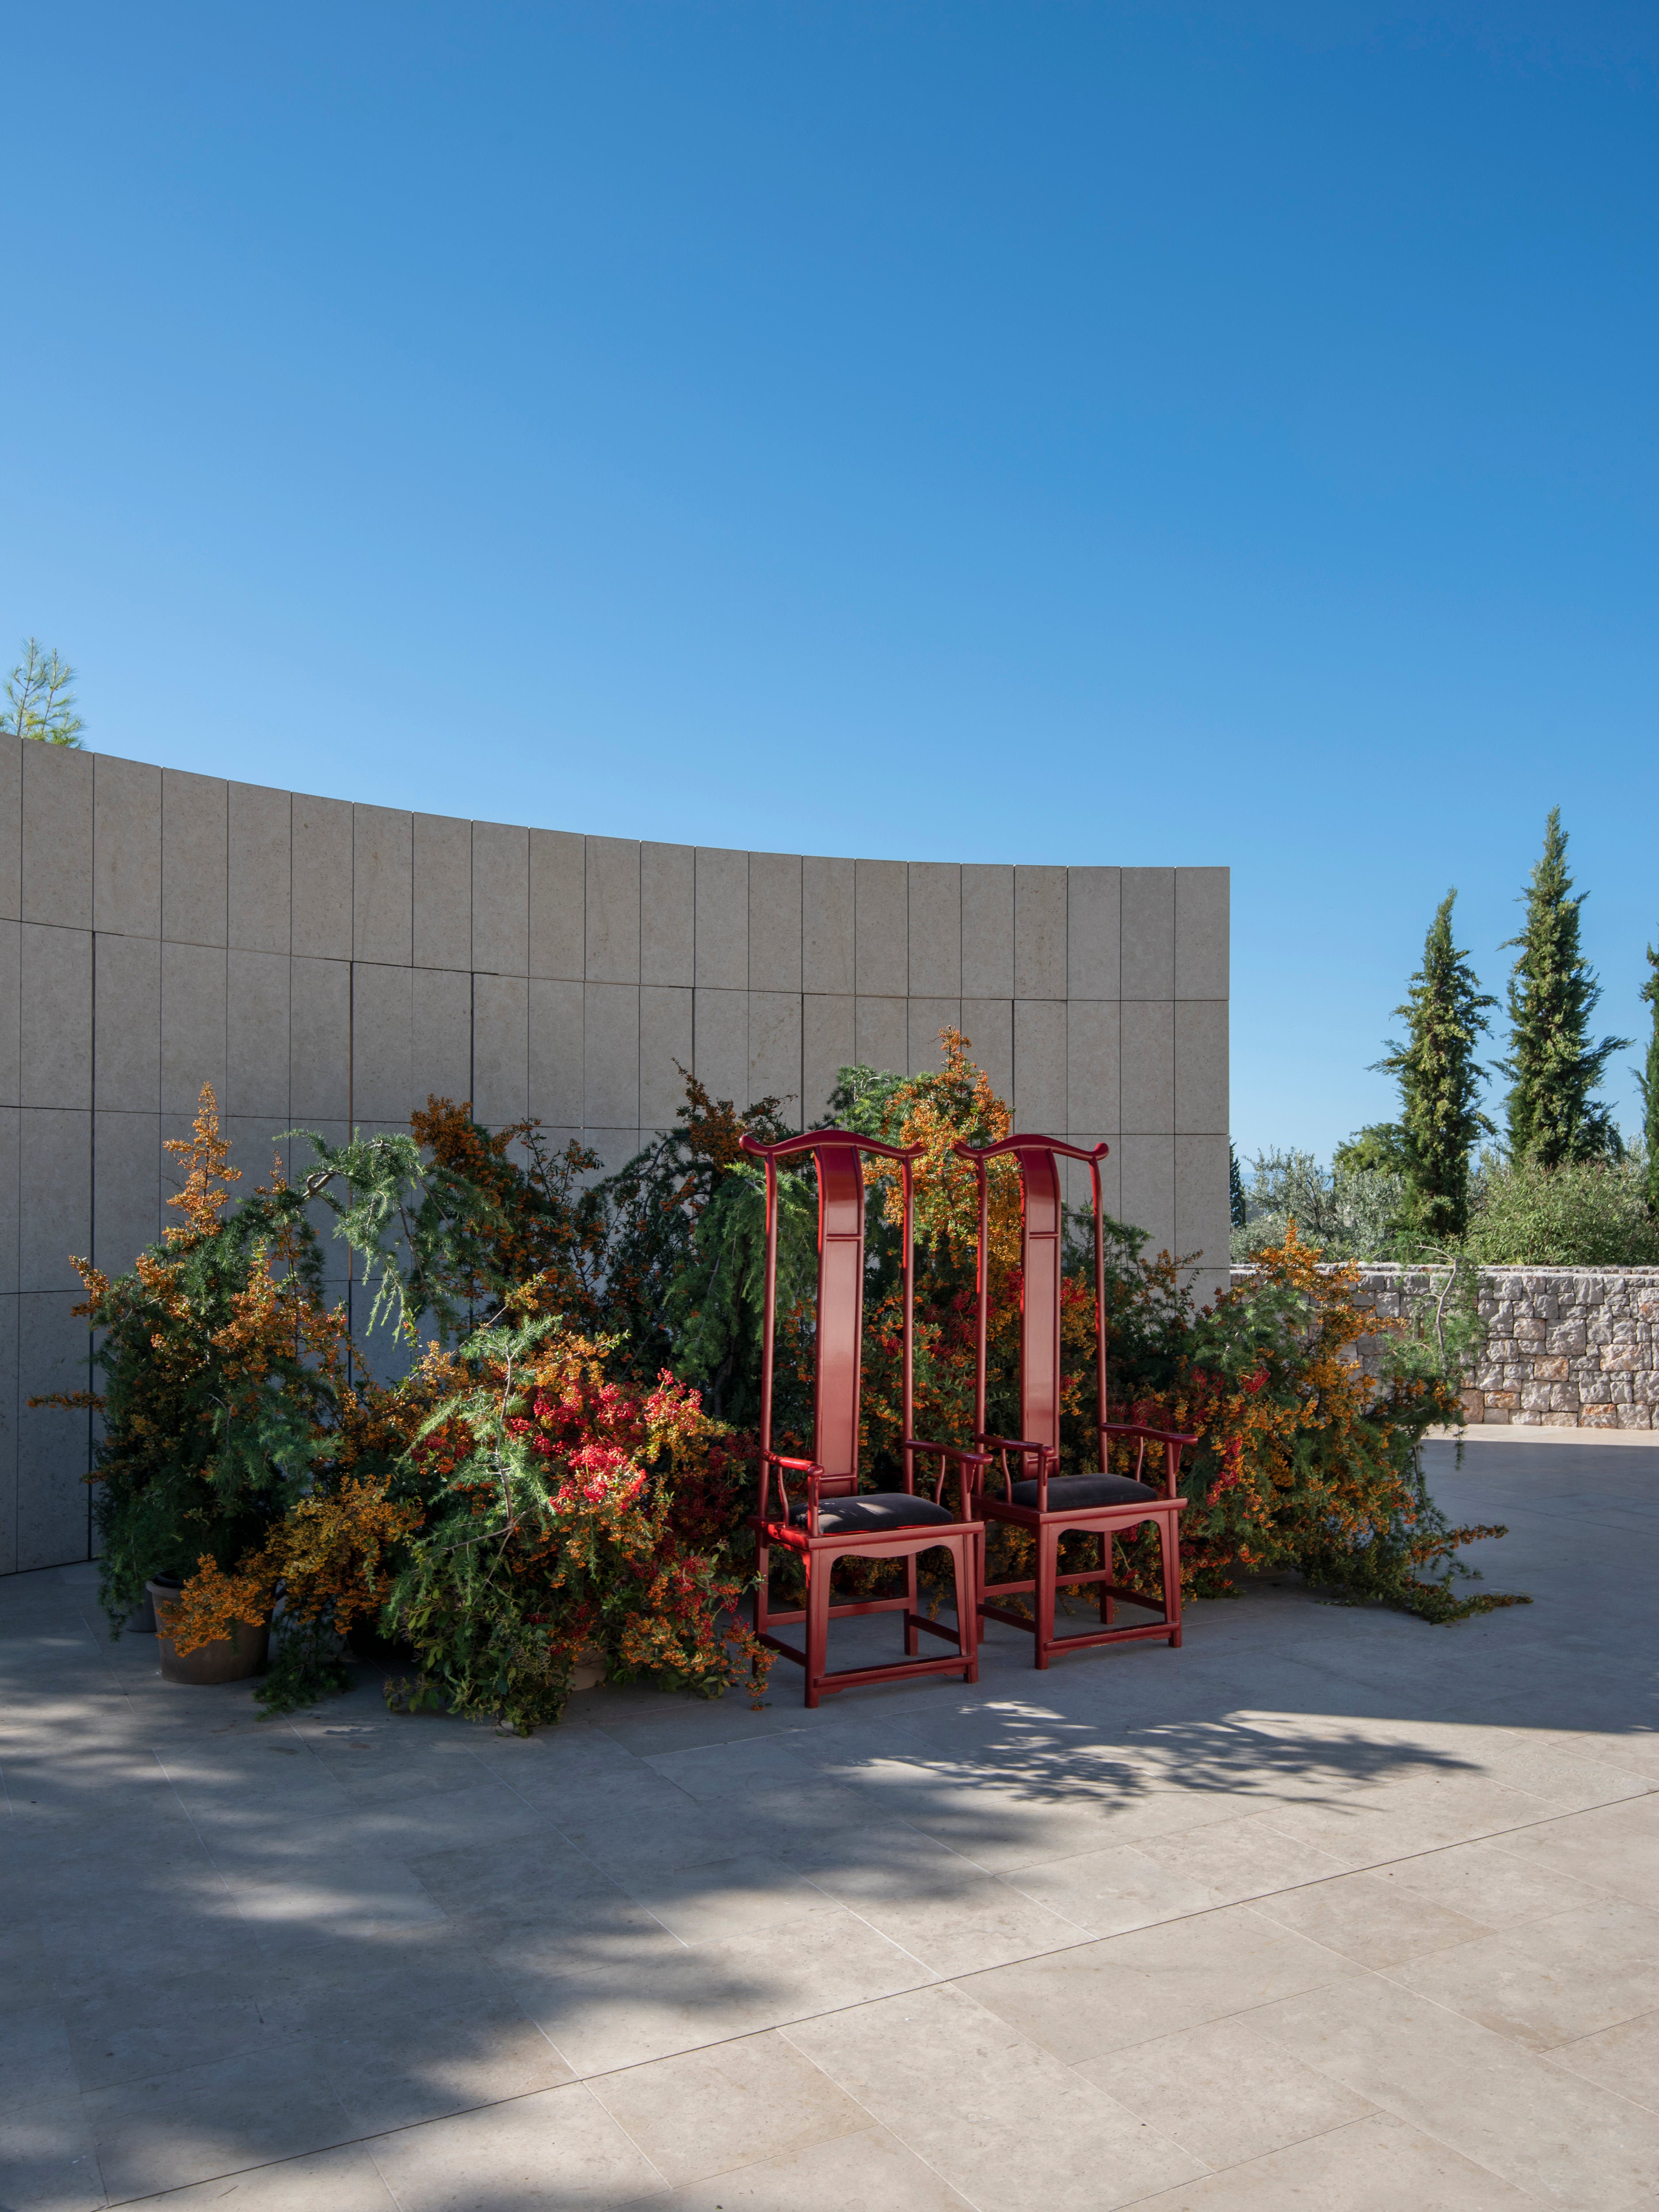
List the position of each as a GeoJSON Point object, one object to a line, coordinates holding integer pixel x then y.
{"type": "Point", "coordinates": [1330, 1908]}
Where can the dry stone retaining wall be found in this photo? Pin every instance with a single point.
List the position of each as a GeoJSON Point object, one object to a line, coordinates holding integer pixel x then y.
{"type": "Point", "coordinates": [1566, 1347]}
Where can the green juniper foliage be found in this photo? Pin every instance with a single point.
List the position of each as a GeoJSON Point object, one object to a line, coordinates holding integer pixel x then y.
{"type": "Point", "coordinates": [1440, 1082]}
{"type": "Point", "coordinates": [1235, 1204]}
{"type": "Point", "coordinates": [1378, 1148]}
{"type": "Point", "coordinates": [1648, 1078]}
{"type": "Point", "coordinates": [1553, 1066]}
{"type": "Point", "coordinates": [39, 701]}
{"type": "Point", "coordinates": [1584, 1214]}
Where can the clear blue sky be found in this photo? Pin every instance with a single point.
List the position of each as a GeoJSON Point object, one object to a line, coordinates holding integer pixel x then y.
{"type": "Point", "coordinates": [1028, 431]}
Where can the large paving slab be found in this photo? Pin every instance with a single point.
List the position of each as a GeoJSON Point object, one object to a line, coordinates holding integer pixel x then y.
{"type": "Point", "coordinates": [1329, 1908]}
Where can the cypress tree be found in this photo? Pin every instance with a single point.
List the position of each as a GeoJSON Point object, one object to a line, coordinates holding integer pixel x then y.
{"type": "Point", "coordinates": [1440, 1081]}
{"type": "Point", "coordinates": [1236, 1189]}
{"type": "Point", "coordinates": [1553, 1066]}
{"type": "Point", "coordinates": [1648, 1081]}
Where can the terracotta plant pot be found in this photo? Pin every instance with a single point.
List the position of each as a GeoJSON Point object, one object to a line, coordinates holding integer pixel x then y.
{"type": "Point", "coordinates": [227, 1659]}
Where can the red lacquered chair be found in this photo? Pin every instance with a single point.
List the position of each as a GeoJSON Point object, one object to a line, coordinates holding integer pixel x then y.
{"type": "Point", "coordinates": [1042, 1501]}
{"type": "Point", "coordinates": [833, 1520]}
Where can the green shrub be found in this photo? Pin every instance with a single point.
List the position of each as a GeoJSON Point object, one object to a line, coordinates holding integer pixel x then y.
{"type": "Point", "coordinates": [1583, 1213]}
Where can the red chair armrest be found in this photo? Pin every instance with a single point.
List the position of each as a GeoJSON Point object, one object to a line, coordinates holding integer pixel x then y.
{"type": "Point", "coordinates": [967, 1460]}
{"type": "Point", "coordinates": [1173, 1444]}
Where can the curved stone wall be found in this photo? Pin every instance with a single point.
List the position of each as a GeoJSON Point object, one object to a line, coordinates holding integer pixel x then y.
{"type": "Point", "coordinates": [323, 963]}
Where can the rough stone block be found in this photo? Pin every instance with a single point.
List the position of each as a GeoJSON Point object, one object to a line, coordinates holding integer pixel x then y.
{"type": "Point", "coordinates": [1598, 1417]}
{"type": "Point", "coordinates": [1621, 1358]}
{"type": "Point", "coordinates": [1547, 1369]}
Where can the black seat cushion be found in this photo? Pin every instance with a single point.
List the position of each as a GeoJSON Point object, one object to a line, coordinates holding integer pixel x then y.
{"type": "Point", "coordinates": [876, 1510]}
{"type": "Point", "coordinates": [1071, 1492]}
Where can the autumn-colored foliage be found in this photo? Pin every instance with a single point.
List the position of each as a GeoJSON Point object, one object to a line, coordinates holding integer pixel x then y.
{"type": "Point", "coordinates": [554, 1475]}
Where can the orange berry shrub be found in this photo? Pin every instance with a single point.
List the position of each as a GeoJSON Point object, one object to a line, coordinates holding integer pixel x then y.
{"type": "Point", "coordinates": [564, 1511]}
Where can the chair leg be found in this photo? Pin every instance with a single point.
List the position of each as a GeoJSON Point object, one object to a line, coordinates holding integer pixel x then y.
{"type": "Point", "coordinates": [1048, 1567]}
{"type": "Point", "coordinates": [1168, 1530]}
{"type": "Point", "coordinates": [969, 1574]}
{"type": "Point", "coordinates": [1107, 1607]}
{"type": "Point", "coordinates": [819, 1566]}
{"type": "Point", "coordinates": [912, 1599]}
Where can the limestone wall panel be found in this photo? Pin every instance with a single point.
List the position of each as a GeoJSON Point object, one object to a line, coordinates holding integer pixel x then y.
{"type": "Point", "coordinates": [195, 858]}
{"type": "Point", "coordinates": [127, 1032]}
{"type": "Point", "coordinates": [440, 873]}
{"type": "Point", "coordinates": [382, 886]}
{"type": "Point", "coordinates": [260, 868]}
{"type": "Point", "coordinates": [668, 915]}
{"type": "Point", "coordinates": [57, 871]}
{"type": "Point", "coordinates": [126, 847]}
{"type": "Point", "coordinates": [558, 864]}
{"type": "Point", "coordinates": [323, 964]}
{"type": "Point", "coordinates": [722, 921]}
